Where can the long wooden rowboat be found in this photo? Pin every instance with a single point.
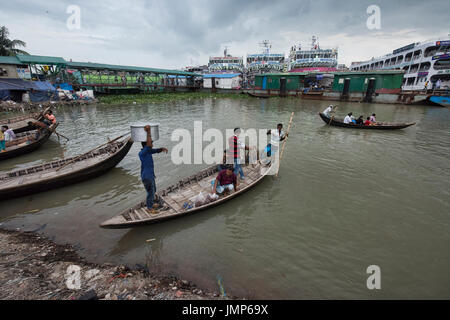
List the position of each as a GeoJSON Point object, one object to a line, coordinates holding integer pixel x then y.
{"type": "Point", "coordinates": [63, 172]}
{"type": "Point", "coordinates": [259, 95]}
{"type": "Point", "coordinates": [27, 142]}
{"type": "Point", "coordinates": [379, 126]}
{"type": "Point", "coordinates": [20, 124]}
{"type": "Point", "coordinates": [174, 198]}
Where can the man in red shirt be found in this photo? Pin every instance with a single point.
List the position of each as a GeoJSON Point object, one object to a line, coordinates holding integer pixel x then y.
{"type": "Point", "coordinates": [368, 122]}
{"type": "Point", "coordinates": [226, 181]}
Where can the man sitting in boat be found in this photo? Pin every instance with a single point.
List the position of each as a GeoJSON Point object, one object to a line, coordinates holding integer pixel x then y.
{"type": "Point", "coordinates": [373, 118]}
{"type": "Point", "coordinates": [368, 122]}
{"type": "Point", "coordinates": [360, 121]}
{"type": "Point", "coordinates": [49, 118]}
{"type": "Point", "coordinates": [329, 110]}
{"type": "Point", "coordinates": [226, 181]}
{"type": "Point", "coordinates": [9, 134]}
{"type": "Point", "coordinates": [148, 170]}
{"type": "Point", "coordinates": [348, 119]}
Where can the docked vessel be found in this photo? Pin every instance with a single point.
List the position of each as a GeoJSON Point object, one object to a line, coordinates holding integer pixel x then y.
{"type": "Point", "coordinates": [426, 64]}
{"type": "Point", "coordinates": [225, 64]}
{"type": "Point", "coordinates": [315, 59]}
{"type": "Point", "coordinates": [265, 62]}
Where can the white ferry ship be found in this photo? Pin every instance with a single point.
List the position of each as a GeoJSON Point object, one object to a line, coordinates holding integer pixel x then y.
{"type": "Point", "coordinates": [316, 59]}
{"type": "Point", "coordinates": [266, 61]}
{"type": "Point", "coordinates": [225, 64]}
{"type": "Point", "coordinates": [423, 63]}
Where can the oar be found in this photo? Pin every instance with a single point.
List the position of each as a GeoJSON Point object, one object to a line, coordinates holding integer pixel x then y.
{"type": "Point", "coordinates": [285, 140]}
{"type": "Point", "coordinates": [59, 134]}
{"type": "Point", "coordinates": [80, 156]}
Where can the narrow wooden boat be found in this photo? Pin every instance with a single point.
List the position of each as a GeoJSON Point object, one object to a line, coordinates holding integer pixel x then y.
{"type": "Point", "coordinates": [27, 142]}
{"type": "Point", "coordinates": [20, 124]}
{"type": "Point", "coordinates": [173, 200]}
{"type": "Point", "coordinates": [63, 172]}
{"type": "Point", "coordinates": [379, 126]}
{"type": "Point", "coordinates": [259, 95]}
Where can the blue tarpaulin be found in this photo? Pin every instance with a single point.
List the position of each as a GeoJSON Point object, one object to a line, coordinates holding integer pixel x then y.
{"type": "Point", "coordinates": [5, 95]}
{"type": "Point", "coordinates": [64, 86]}
{"type": "Point", "coordinates": [43, 91]}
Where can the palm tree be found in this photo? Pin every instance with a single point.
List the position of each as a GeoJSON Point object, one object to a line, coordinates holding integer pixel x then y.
{"type": "Point", "coordinates": [8, 47]}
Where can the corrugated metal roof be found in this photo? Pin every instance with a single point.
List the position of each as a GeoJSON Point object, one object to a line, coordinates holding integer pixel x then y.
{"type": "Point", "coordinates": [100, 66]}
{"type": "Point", "coordinates": [26, 59]}
{"type": "Point", "coordinates": [349, 73]}
{"type": "Point", "coordinates": [9, 60]}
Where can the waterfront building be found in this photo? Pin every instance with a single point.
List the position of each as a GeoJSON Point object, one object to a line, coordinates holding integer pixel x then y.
{"type": "Point", "coordinates": [222, 81]}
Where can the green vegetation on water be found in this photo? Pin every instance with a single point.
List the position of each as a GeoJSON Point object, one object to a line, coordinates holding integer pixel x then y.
{"type": "Point", "coordinates": [164, 97]}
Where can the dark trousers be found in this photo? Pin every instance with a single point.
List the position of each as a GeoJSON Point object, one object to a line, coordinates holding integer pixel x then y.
{"type": "Point", "coordinates": [150, 187]}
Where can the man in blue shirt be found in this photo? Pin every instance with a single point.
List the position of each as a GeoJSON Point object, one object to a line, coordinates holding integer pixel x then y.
{"type": "Point", "coordinates": [147, 169]}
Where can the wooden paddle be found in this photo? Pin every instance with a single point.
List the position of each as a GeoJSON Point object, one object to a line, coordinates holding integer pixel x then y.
{"type": "Point", "coordinates": [80, 156]}
{"type": "Point", "coordinates": [285, 140]}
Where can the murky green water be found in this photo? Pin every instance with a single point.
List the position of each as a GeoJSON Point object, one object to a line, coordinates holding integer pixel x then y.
{"type": "Point", "coordinates": [344, 200]}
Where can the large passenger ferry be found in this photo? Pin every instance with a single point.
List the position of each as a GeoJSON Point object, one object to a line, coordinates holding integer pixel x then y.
{"type": "Point", "coordinates": [266, 61]}
{"type": "Point", "coordinates": [424, 64]}
{"type": "Point", "coordinates": [226, 64]}
{"type": "Point", "coordinates": [315, 59]}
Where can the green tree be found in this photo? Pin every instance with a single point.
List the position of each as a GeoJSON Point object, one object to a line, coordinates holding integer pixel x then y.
{"type": "Point", "coordinates": [9, 47]}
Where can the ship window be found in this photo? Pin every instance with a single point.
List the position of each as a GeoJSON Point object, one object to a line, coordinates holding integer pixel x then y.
{"type": "Point", "coordinates": [411, 81]}
{"type": "Point", "coordinates": [399, 59]}
{"type": "Point", "coordinates": [408, 57]}
{"type": "Point", "coordinates": [425, 66]}
{"type": "Point", "coordinates": [430, 51]}
{"type": "Point", "coordinates": [442, 64]}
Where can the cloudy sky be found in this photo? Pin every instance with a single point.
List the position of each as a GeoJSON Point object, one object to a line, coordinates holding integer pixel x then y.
{"type": "Point", "coordinates": [176, 33]}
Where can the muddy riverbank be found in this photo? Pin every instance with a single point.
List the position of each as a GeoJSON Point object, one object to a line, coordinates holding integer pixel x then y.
{"type": "Point", "coordinates": [34, 268]}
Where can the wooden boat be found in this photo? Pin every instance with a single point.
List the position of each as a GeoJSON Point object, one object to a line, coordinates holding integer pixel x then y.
{"type": "Point", "coordinates": [20, 124]}
{"type": "Point", "coordinates": [379, 126]}
{"type": "Point", "coordinates": [259, 95]}
{"type": "Point", "coordinates": [173, 199]}
{"type": "Point", "coordinates": [63, 172]}
{"type": "Point", "coordinates": [27, 142]}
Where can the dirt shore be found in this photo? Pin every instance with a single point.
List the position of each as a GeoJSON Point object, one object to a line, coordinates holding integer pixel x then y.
{"type": "Point", "coordinates": [34, 268]}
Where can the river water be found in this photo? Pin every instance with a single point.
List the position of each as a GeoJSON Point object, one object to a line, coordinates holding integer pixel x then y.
{"type": "Point", "coordinates": [344, 200]}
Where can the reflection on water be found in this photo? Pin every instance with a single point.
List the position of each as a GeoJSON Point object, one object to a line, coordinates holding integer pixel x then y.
{"type": "Point", "coordinates": [344, 200]}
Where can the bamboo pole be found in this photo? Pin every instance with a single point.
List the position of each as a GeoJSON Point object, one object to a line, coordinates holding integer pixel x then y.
{"type": "Point", "coordinates": [285, 140]}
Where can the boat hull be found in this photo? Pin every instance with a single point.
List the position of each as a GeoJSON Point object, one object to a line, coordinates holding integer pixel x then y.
{"type": "Point", "coordinates": [67, 179]}
{"type": "Point", "coordinates": [337, 123]}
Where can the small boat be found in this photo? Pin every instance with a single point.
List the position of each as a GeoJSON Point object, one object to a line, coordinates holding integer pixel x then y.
{"type": "Point", "coordinates": [63, 172]}
{"type": "Point", "coordinates": [27, 142]}
{"type": "Point", "coordinates": [178, 200]}
{"type": "Point", "coordinates": [379, 126]}
{"type": "Point", "coordinates": [259, 95]}
{"type": "Point", "coordinates": [20, 124]}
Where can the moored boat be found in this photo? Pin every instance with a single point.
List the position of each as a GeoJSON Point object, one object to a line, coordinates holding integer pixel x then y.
{"type": "Point", "coordinates": [378, 126]}
{"type": "Point", "coordinates": [27, 142]}
{"type": "Point", "coordinates": [178, 200]}
{"type": "Point", "coordinates": [64, 172]}
{"type": "Point", "coordinates": [20, 124]}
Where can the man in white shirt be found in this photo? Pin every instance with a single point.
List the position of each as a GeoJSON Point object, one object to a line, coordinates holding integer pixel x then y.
{"type": "Point", "coordinates": [276, 136]}
{"type": "Point", "coordinates": [329, 110]}
{"type": "Point", "coordinates": [348, 118]}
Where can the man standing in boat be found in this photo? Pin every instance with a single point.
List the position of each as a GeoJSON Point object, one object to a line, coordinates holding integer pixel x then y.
{"type": "Point", "coordinates": [148, 170]}
{"type": "Point", "coordinates": [235, 145]}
